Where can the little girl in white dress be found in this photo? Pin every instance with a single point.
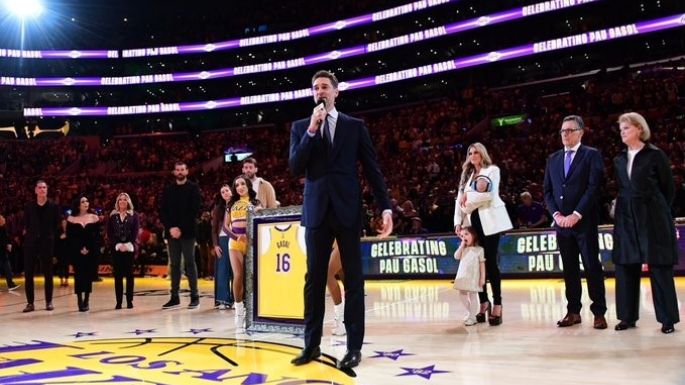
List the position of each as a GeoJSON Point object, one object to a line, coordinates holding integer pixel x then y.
{"type": "Point", "coordinates": [471, 274]}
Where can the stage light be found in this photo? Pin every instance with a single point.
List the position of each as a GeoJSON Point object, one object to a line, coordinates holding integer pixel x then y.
{"type": "Point", "coordinates": [24, 8]}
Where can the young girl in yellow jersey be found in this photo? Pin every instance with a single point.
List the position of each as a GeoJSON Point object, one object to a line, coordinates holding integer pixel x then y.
{"type": "Point", "coordinates": [236, 222]}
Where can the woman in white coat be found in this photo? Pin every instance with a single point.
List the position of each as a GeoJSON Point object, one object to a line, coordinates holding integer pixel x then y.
{"type": "Point", "coordinates": [486, 213]}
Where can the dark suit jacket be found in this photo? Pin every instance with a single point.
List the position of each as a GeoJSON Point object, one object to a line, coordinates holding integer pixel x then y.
{"type": "Point", "coordinates": [577, 191]}
{"type": "Point", "coordinates": [331, 174]}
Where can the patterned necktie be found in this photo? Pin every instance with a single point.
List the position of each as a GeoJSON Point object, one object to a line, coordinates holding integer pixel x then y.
{"type": "Point", "coordinates": [567, 161]}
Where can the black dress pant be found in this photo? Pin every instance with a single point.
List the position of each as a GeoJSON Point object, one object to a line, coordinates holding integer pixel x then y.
{"type": "Point", "coordinates": [586, 244]}
{"type": "Point", "coordinates": [122, 264]}
{"type": "Point", "coordinates": [38, 252]}
{"type": "Point", "coordinates": [663, 293]}
{"type": "Point", "coordinates": [319, 245]}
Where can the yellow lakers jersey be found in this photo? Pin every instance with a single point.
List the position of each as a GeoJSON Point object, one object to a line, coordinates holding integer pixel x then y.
{"type": "Point", "coordinates": [280, 275]}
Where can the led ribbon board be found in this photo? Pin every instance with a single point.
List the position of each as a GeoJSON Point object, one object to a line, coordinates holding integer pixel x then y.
{"type": "Point", "coordinates": [231, 44]}
{"type": "Point", "coordinates": [415, 37]}
{"type": "Point", "coordinates": [578, 40]}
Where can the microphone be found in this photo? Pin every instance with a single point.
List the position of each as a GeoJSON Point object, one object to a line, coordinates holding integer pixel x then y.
{"type": "Point", "coordinates": [322, 103]}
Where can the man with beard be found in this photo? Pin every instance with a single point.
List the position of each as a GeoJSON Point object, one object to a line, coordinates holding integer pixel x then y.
{"type": "Point", "coordinates": [265, 191]}
{"type": "Point", "coordinates": [180, 206]}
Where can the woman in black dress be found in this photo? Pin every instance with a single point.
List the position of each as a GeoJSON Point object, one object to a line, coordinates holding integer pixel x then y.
{"type": "Point", "coordinates": [83, 238]}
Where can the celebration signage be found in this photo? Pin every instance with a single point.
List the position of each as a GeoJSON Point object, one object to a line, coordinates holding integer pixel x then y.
{"type": "Point", "coordinates": [237, 43]}
{"type": "Point", "coordinates": [521, 253]}
{"type": "Point", "coordinates": [414, 37]}
{"type": "Point", "coordinates": [276, 261]}
{"type": "Point", "coordinates": [582, 39]}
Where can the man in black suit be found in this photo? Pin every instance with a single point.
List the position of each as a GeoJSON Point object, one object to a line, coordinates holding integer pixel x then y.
{"type": "Point", "coordinates": [572, 179]}
{"type": "Point", "coordinates": [41, 221]}
{"type": "Point", "coordinates": [326, 147]}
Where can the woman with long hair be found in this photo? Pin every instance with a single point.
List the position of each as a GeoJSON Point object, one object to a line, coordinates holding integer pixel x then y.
{"type": "Point", "coordinates": [487, 214]}
{"type": "Point", "coordinates": [244, 197]}
{"type": "Point", "coordinates": [83, 237]}
{"type": "Point", "coordinates": [223, 290]}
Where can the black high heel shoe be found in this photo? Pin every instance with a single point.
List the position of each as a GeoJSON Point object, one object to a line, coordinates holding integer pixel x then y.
{"type": "Point", "coordinates": [495, 320]}
{"type": "Point", "coordinates": [623, 325]}
{"type": "Point", "coordinates": [667, 328]}
{"type": "Point", "coordinates": [481, 317]}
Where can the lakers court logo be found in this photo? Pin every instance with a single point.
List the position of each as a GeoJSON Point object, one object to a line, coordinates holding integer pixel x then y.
{"type": "Point", "coordinates": [162, 361]}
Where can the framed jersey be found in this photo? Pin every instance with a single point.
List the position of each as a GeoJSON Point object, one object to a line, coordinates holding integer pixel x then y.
{"type": "Point", "coordinates": [275, 266]}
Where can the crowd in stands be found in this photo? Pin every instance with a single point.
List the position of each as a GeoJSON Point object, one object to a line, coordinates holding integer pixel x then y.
{"type": "Point", "coordinates": [421, 148]}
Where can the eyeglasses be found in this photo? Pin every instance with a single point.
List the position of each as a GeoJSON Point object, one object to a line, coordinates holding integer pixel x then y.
{"type": "Point", "coordinates": [569, 130]}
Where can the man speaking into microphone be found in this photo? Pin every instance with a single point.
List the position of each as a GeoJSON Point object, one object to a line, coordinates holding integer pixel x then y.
{"type": "Point", "coordinates": [326, 147]}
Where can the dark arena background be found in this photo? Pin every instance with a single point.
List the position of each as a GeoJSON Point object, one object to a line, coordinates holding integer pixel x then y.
{"type": "Point", "coordinates": [99, 97]}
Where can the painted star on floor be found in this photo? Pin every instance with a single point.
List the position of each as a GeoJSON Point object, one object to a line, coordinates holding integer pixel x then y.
{"type": "Point", "coordinates": [426, 372]}
{"type": "Point", "coordinates": [83, 334]}
{"type": "Point", "coordinates": [143, 331]}
{"type": "Point", "coordinates": [198, 331]}
{"type": "Point", "coordinates": [393, 355]}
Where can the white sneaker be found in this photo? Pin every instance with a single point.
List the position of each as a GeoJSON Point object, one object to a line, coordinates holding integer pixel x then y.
{"type": "Point", "coordinates": [221, 306]}
{"type": "Point", "coordinates": [240, 319]}
{"type": "Point", "coordinates": [338, 327]}
{"type": "Point", "coordinates": [470, 321]}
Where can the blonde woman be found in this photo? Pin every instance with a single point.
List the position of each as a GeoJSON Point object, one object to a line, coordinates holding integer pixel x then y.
{"type": "Point", "coordinates": [122, 232]}
{"type": "Point", "coordinates": [644, 231]}
{"type": "Point", "coordinates": [486, 213]}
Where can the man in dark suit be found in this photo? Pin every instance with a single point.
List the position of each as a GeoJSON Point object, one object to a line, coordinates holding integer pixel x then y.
{"type": "Point", "coordinates": [41, 221]}
{"type": "Point", "coordinates": [326, 148]}
{"type": "Point", "coordinates": [572, 179]}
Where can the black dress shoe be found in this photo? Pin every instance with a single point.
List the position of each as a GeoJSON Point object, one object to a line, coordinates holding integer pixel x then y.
{"type": "Point", "coordinates": [306, 355]}
{"type": "Point", "coordinates": [29, 308]}
{"type": "Point", "coordinates": [667, 328]}
{"type": "Point", "coordinates": [623, 325]}
{"type": "Point", "coordinates": [352, 358]}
